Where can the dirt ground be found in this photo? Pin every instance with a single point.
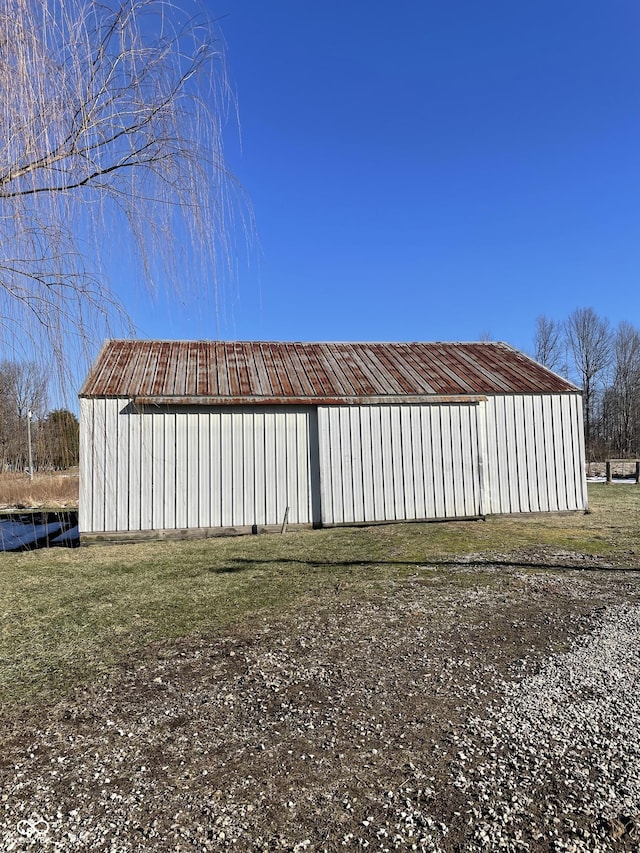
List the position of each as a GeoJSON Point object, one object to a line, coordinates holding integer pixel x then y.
{"type": "Point", "coordinates": [334, 728]}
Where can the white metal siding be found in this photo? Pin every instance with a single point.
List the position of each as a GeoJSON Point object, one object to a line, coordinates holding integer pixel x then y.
{"type": "Point", "coordinates": [393, 462]}
{"type": "Point", "coordinates": [205, 467]}
{"type": "Point", "coordinates": [534, 453]}
{"type": "Point", "coordinates": [193, 468]}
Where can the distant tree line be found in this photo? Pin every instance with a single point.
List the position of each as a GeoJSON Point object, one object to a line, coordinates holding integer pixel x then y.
{"type": "Point", "coordinates": [24, 409]}
{"type": "Point", "coordinates": [605, 363]}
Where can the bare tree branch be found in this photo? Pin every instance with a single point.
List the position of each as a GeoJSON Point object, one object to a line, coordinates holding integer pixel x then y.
{"type": "Point", "coordinates": [623, 397]}
{"type": "Point", "coordinates": [589, 342]}
{"type": "Point", "coordinates": [549, 342]}
{"type": "Point", "coordinates": [111, 120]}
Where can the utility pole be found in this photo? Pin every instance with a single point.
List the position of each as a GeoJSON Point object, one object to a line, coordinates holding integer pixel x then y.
{"type": "Point", "coordinates": [29, 414]}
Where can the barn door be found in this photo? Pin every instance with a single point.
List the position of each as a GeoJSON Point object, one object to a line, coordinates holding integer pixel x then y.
{"type": "Point", "coordinates": [397, 462]}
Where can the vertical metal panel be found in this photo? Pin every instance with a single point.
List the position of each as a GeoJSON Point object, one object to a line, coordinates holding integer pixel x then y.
{"type": "Point", "coordinates": [456, 441]}
{"type": "Point", "coordinates": [182, 461]}
{"type": "Point", "coordinates": [158, 496]}
{"type": "Point", "coordinates": [468, 500]}
{"type": "Point", "coordinates": [252, 464]}
{"type": "Point", "coordinates": [121, 437]}
{"type": "Point", "coordinates": [270, 465]}
{"type": "Point", "coordinates": [529, 456]}
{"type": "Point", "coordinates": [388, 495]}
{"type": "Point", "coordinates": [237, 470]}
{"type": "Point", "coordinates": [397, 472]}
{"type": "Point", "coordinates": [204, 468]}
{"type": "Point", "coordinates": [302, 504]}
{"type": "Point", "coordinates": [521, 454]}
{"type": "Point", "coordinates": [417, 462]}
{"type": "Point", "coordinates": [566, 438]}
{"type": "Point", "coordinates": [346, 458]}
{"type": "Point", "coordinates": [100, 473]}
{"type": "Point", "coordinates": [538, 426]}
{"type": "Point", "coordinates": [359, 464]}
{"type": "Point", "coordinates": [580, 455]}
{"type": "Point", "coordinates": [147, 486]}
{"type": "Point", "coordinates": [425, 468]}
{"type": "Point", "coordinates": [509, 449]}
{"type": "Point", "coordinates": [194, 469]}
{"type": "Point", "coordinates": [498, 455]}
{"type": "Point", "coordinates": [406, 456]}
{"type": "Point", "coordinates": [134, 474]}
{"type": "Point", "coordinates": [282, 497]}
{"type": "Point", "coordinates": [170, 497]}
{"type": "Point", "coordinates": [376, 464]}
{"type": "Point", "coordinates": [439, 504]}
{"type": "Point", "coordinates": [449, 474]}
{"type": "Point", "coordinates": [484, 491]}
{"type": "Point", "coordinates": [556, 433]}
{"type": "Point", "coordinates": [534, 453]}
{"type": "Point", "coordinates": [110, 464]}
{"type": "Point", "coordinates": [577, 463]}
{"type": "Point", "coordinates": [324, 456]}
{"type": "Point", "coordinates": [260, 507]}
{"type": "Point", "coordinates": [248, 473]}
{"type": "Point", "coordinates": [226, 473]}
{"type": "Point", "coordinates": [164, 469]}
{"type": "Point", "coordinates": [423, 462]}
{"type": "Point", "coordinates": [100, 479]}
{"type": "Point", "coordinates": [87, 467]}
{"type": "Point", "coordinates": [367, 505]}
{"type": "Point", "coordinates": [550, 453]}
{"type": "Point", "coordinates": [215, 469]}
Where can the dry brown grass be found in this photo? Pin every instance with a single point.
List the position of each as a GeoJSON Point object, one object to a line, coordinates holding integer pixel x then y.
{"type": "Point", "coordinates": [49, 490]}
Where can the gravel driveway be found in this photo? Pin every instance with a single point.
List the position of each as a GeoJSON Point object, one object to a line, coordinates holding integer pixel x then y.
{"type": "Point", "coordinates": [471, 708]}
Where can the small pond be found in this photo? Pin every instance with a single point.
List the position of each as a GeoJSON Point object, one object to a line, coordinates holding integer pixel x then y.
{"type": "Point", "coordinates": [25, 530]}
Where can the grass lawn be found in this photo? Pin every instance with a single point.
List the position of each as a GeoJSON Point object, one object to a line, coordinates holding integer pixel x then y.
{"type": "Point", "coordinates": [73, 616]}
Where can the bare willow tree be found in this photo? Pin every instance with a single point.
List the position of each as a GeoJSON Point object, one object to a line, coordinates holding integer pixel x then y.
{"type": "Point", "coordinates": [111, 121]}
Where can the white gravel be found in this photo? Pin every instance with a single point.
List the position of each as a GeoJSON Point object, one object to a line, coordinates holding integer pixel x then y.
{"type": "Point", "coordinates": [558, 759]}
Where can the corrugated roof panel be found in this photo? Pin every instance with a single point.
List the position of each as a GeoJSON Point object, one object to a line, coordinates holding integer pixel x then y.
{"type": "Point", "coordinates": [132, 369]}
{"type": "Point", "coordinates": [202, 376]}
{"type": "Point", "coordinates": [480, 371]}
{"type": "Point", "coordinates": [232, 371]}
{"type": "Point", "coordinates": [360, 377]}
{"type": "Point", "coordinates": [428, 363]}
{"type": "Point", "coordinates": [317, 381]}
{"type": "Point", "coordinates": [274, 382]}
{"type": "Point", "coordinates": [450, 378]}
{"type": "Point", "coordinates": [222, 372]}
{"type": "Point", "coordinates": [256, 354]}
{"type": "Point", "coordinates": [340, 380]}
{"type": "Point", "coordinates": [287, 376]}
{"type": "Point", "coordinates": [313, 372]}
{"type": "Point", "coordinates": [298, 365]}
{"type": "Point", "coordinates": [395, 370]}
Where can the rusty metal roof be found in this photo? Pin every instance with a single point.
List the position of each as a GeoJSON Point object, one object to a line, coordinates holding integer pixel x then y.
{"type": "Point", "coordinates": [265, 372]}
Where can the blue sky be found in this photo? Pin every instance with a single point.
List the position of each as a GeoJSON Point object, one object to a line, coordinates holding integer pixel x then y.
{"type": "Point", "coordinates": [428, 170]}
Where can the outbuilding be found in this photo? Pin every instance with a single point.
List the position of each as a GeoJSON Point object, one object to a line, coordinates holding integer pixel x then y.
{"type": "Point", "coordinates": [194, 437]}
